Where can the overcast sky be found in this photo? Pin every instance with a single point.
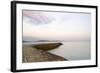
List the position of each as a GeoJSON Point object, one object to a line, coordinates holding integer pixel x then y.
{"type": "Point", "coordinates": [46, 25]}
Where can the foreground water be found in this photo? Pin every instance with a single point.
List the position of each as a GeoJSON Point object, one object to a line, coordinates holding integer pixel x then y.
{"type": "Point", "coordinates": [73, 50]}
{"type": "Point", "coordinates": [77, 50]}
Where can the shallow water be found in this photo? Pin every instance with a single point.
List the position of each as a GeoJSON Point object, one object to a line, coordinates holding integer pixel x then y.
{"type": "Point", "coordinates": [77, 50]}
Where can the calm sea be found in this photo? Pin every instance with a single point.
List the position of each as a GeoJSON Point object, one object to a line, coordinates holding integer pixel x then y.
{"type": "Point", "coordinates": [73, 50]}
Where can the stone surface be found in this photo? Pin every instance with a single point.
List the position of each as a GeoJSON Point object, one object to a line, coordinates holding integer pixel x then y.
{"type": "Point", "coordinates": [31, 54]}
{"type": "Point", "coordinates": [47, 46]}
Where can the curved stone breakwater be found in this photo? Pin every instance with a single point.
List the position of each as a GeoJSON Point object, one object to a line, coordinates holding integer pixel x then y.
{"type": "Point", "coordinates": [34, 54]}
{"type": "Point", "coordinates": [47, 46]}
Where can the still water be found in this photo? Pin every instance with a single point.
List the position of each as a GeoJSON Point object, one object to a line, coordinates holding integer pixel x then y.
{"type": "Point", "coordinates": [72, 50]}
{"type": "Point", "coordinates": [77, 50]}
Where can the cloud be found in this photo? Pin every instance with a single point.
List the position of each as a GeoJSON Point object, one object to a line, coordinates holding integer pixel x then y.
{"type": "Point", "coordinates": [57, 25]}
{"type": "Point", "coordinates": [37, 17]}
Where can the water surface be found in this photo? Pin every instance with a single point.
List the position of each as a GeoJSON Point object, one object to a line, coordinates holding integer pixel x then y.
{"type": "Point", "coordinates": [72, 50]}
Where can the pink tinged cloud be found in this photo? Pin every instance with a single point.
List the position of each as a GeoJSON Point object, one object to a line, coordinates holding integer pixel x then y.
{"type": "Point", "coordinates": [38, 17]}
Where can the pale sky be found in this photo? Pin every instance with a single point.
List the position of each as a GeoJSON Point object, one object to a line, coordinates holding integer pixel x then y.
{"type": "Point", "coordinates": [46, 25]}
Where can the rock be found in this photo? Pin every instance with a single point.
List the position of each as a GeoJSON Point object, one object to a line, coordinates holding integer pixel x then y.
{"type": "Point", "coordinates": [31, 54]}
{"type": "Point", "coordinates": [47, 46]}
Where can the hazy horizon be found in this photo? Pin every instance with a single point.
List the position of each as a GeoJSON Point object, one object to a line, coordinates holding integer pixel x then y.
{"type": "Point", "coordinates": [64, 26]}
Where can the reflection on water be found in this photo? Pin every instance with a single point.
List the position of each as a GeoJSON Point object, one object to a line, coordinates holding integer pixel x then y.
{"type": "Point", "coordinates": [79, 50]}
{"type": "Point", "coordinates": [73, 50]}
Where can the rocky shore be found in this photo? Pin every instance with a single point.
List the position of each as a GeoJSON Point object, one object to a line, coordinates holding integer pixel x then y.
{"type": "Point", "coordinates": [39, 53]}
